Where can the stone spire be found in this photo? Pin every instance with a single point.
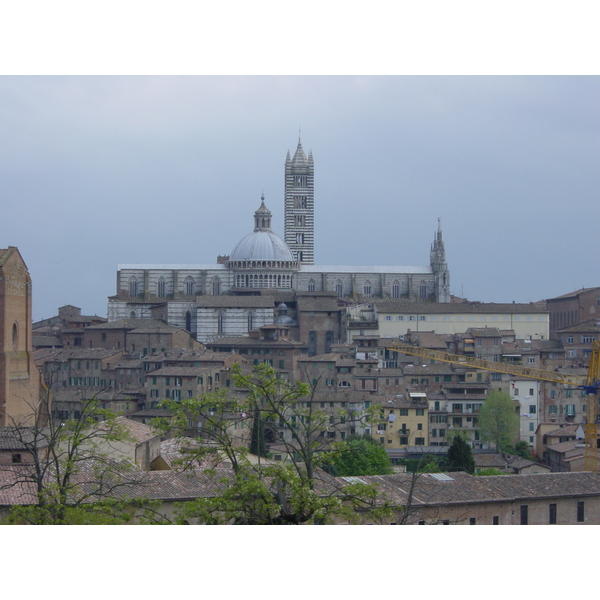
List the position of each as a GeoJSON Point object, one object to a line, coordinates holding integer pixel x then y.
{"type": "Point", "coordinates": [299, 161]}
{"type": "Point", "coordinates": [439, 266]}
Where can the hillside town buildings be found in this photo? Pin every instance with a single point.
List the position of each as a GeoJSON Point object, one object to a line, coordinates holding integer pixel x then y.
{"type": "Point", "coordinates": [175, 331]}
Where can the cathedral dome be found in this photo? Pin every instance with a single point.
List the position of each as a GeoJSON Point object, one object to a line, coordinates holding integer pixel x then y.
{"type": "Point", "coordinates": [262, 243]}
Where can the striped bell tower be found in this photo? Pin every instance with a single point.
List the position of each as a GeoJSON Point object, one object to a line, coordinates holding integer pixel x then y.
{"type": "Point", "coordinates": [300, 206]}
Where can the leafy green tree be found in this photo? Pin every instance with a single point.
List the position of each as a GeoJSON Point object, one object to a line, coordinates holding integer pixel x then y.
{"type": "Point", "coordinates": [257, 439]}
{"type": "Point", "coordinates": [361, 456]}
{"type": "Point", "coordinates": [498, 422]}
{"type": "Point", "coordinates": [460, 455]}
{"type": "Point", "coordinates": [522, 449]}
{"type": "Point", "coordinates": [67, 466]}
{"type": "Point", "coordinates": [291, 491]}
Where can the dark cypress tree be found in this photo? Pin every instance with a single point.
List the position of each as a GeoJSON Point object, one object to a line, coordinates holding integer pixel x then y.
{"type": "Point", "coordinates": [257, 439]}
{"type": "Point", "coordinates": [460, 455]}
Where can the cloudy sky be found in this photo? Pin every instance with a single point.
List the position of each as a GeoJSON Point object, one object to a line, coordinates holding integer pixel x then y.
{"type": "Point", "coordinates": [97, 171]}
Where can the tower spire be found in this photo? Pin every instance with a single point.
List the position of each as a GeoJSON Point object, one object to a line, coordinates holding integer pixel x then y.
{"type": "Point", "coordinates": [439, 266]}
{"type": "Point", "coordinates": [299, 204]}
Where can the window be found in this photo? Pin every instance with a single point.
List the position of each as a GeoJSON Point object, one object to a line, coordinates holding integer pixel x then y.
{"type": "Point", "coordinates": [473, 521]}
{"type": "Point", "coordinates": [160, 288]}
{"type": "Point", "coordinates": [419, 441]}
{"type": "Point", "coordinates": [420, 412]}
{"type": "Point", "coordinates": [190, 286]}
{"type": "Point", "coordinates": [552, 514]}
{"type": "Point", "coordinates": [532, 409]}
{"type": "Point", "coordinates": [133, 287]}
{"type": "Point", "coordinates": [570, 410]}
{"type": "Point", "coordinates": [216, 286]}
{"type": "Point", "coordinates": [17, 459]}
{"type": "Point", "coordinates": [524, 515]}
{"type": "Point", "coordinates": [531, 425]}
{"type": "Point", "coordinates": [531, 360]}
{"type": "Point", "coordinates": [420, 426]}
{"type": "Point", "coordinates": [367, 289]}
{"type": "Point", "coordinates": [495, 520]}
{"type": "Point", "coordinates": [580, 512]}
{"type": "Point", "coordinates": [552, 409]}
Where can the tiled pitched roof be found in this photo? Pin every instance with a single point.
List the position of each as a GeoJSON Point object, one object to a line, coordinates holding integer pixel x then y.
{"type": "Point", "coordinates": [572, 294]}
{"type": "Point", "coordinates": [130, 324]}
{"type": "Point", "coordinates": [84, 353]}
{"type": "Point", "coordinates": [566, 431]}
{"type": "Point", "coordinates": [464, 488]}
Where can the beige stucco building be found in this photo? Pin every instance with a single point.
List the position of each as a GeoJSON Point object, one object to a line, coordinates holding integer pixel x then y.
{"type": "Point", "coordinates": [394, 319]}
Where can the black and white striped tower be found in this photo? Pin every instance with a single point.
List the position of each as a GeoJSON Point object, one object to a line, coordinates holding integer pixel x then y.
{"type": "Point", "coordinates": [300, 206]}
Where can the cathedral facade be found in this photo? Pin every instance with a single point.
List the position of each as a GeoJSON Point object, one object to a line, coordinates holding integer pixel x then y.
{"type": "Point", "coordinates": [246, 289]}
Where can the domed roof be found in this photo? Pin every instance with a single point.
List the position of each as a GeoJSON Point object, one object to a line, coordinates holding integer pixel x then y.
{"type": "Point", "coordinates": [262, 243]}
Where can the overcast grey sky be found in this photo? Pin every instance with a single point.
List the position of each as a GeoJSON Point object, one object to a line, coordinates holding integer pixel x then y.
{"type": "Point", "coordinates": [97, 171]}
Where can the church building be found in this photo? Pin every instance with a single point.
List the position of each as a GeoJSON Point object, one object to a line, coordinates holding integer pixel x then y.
{"type": "Point", "coordinates": [267, 279]}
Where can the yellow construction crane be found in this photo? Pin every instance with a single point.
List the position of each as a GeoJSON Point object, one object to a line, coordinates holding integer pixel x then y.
{"type": "Point", "coordinates": [590, 383]}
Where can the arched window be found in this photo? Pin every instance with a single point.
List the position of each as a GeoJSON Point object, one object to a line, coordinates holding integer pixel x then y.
{"type": "Point", "coordinates": [339, 288]}
{"type": "Point", "coordinates": [299, 238]}
{"type": "Point", "coordinates": [328, 341]}
{"type": "Point", "coordinates": [15, 336]}
{"type": "Point", "coordinates": [367, 289]}
{"type": "Point", "coordinates": [216, 286]}
{"type": "Point", "coordinates": [132, 314]}
{"type": "Point", "coordinates": [220, 323]}
{"type": "Point", "coordinates": [312, 285]}
{"type": "Point", "coordinates": [190, 286]}
{"type": "Point", "coordinates": [423, 290]}
{"type": "Point", "coordinates": [133, 287]}
{"type": "Point", "coordinates": [160, 288]}
{"type": "Point", "coordinates": [396, 289]}
{"type": "Point", "coordinates": [188, 321]}
{"type": "Point", "coordinates": [250, 321]}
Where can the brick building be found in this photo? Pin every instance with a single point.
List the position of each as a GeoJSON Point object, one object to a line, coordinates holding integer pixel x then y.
{"type": "Point", "coordinates": [20, 381]}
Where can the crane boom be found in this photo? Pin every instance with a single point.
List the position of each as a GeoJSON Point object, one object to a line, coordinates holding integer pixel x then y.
{"type": "Point", "coordinates": [489, 365]}
{"type": "Point", "coordinates": [590, 383]}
